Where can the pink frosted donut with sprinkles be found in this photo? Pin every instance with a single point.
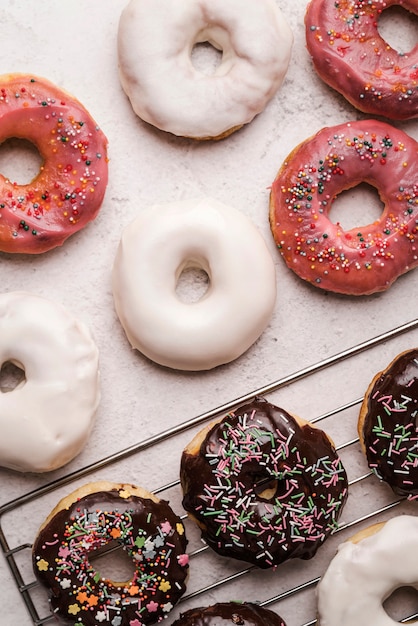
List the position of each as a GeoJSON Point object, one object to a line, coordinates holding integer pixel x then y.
{"type": "Point", "coordinates": [264, 486]}
{"type": "Point", "coordinates": [387, 424]}
{"type": "Point", "coordinates": [350, 55]}
{"type": "Point", "coordinates": [69, 189]}
{"type": "Point", "coordinates": [100, 515]}
{"type": "Point", "coordinates": [365, 259]}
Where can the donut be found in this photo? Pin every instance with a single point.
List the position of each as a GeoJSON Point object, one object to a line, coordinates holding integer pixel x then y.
{"type": "Point", "coordinates": [204, 234]}
{"type": "Point", "coordinates": [366, 570]}
{"type": "Point", "coordinates": [387, 424]}
{"type": "Point", "coordinates": [155, 43]}
{"type": "Point", "coordinates": [46, 419]}
{"type": "Point", "coordinates": [349, 55]}
{"type": "Point", "coordinates": [100, 515]}
{"type": "Point", "coordinates": [68, 191]}
{"type": "Point", "coordinates": [361, 260]}
{"type": "Point", "coordinates": [264, 486]}
{"type": "Point", "coordinates": [224, 613]}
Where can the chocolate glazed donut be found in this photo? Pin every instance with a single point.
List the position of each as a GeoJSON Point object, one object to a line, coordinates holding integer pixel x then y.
{"type": "Point", "coordinates": [387, 424]}
{"type": "Point", "coordinates": [99, 515]}
{"type": "Point", "coordinates": [229, 614]}
{"type": "Point", "coordinates": [264, 486]}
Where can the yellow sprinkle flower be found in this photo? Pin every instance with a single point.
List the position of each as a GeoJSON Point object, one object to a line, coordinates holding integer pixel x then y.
{"type": "Point", "coordinates": [73, 609]}
{"type": "Point", "coordinates": [164, 585]}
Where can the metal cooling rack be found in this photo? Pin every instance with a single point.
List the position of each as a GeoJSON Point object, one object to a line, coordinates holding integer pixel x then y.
{"type": "Point", "coordinates": [18, 557]}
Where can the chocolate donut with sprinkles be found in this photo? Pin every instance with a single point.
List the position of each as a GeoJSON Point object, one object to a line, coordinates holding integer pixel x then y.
{"type": "Point", "coordinates": [228, 613]}
{"type": "Point", "coordinates": [387, 424]}
{"type": "Point", "coordinates": [263, 485]}
{"type": "Point", "coordinates": [350, 55]}
{"type": "Point", "coordinates": [69, 188]}
{"type": "Point", "coordinates": [361, 260]}
{"type": "Point", "coordinates": [103, 514]}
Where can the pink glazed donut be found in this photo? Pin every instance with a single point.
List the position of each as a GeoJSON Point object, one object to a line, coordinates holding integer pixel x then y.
{"type": "Point", "coordinates": [68, 191]}
{"type": "Point", "coordinates": [361, 260]}
{"type": "Point", "coordinates": [350, 55]}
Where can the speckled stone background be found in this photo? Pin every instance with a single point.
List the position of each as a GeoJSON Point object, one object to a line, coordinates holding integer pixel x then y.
{"type": "Point", "coordinates": [73, 43]}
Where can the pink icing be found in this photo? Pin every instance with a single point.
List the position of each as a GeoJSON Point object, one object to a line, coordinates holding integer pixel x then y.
{"type": "Point", "coordinates": [350, 55]}
{"type": "Point", "coordinates": [69, 189]}
{"type": "Point", "coordinates": [361, 260]}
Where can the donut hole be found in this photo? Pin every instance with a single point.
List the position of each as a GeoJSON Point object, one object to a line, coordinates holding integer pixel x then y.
{"type": "Point", "coordinates": [401, 604]}
{"type": "Point", "coordinates": [267, 487]}
{"type": "Point", "coordinates": [192, 283]}
{"type": "Point", "coordinates": [20, 160]}
{"type": "Point", "coordinates": [206, 58]}
{"type": "Point", "coordinates": [399, 28]}
{"type": "Point", "coordinates": [113, 563]}
{"type": "Point", "coordinates": [12, 375]}
{"type": "Point", "coordinates": [356, 207]}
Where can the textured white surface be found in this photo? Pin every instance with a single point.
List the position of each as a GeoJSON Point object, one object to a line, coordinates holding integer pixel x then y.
{"type": "Point", "coordinates": [73, 43]}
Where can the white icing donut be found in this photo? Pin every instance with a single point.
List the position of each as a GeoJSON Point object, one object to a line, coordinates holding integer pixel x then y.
{"type": "Point", "coordinates": [365, 572]}
{"type": "Point", "coordinates": [46, 419]}
{"type": "Point", "coordinates": [205, 234]}
{"type": "Point", "coordinates": [155, 43]}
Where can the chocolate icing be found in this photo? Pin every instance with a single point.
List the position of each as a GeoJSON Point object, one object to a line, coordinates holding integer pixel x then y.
{"type": "Point", "coordinates": [262, 444]}
{"type": "Point", "coordinates": [152, 535]}
{"type": "Point", "coordinates": [230, 614]}
{"type": "Point", "coordinates": [389, 429]}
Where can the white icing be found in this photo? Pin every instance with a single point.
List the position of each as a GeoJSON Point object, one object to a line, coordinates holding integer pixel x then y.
{"type": "Point", "coordinates": [155, 42]}
{"type": "Point", "coordinates": [46, 419]}
{"type": "Point", "coordinates": [362, 575]}
{"type": "Point", "coordinates": [154, 250]}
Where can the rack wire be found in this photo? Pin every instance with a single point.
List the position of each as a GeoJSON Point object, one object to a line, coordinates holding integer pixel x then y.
{"type": "Point", "coordinates": [301, 578]}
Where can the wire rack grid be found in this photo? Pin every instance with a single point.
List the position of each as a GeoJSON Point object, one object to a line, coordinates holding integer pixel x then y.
{"type": "Point", "coordinates": [290, 590]}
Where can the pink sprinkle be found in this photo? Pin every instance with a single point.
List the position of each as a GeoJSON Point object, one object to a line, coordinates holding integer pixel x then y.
{"type": "Point", "coordinates": [166, 527]}
{"type": "Point", "coordinates": [183, 559]}
{"type": "Point", "coordinates": [63, 552]}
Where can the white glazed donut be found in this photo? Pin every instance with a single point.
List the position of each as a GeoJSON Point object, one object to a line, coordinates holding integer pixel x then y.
{"type": "Point", "coordinates": [155, 43]}
{"type": "Point", "coordinates": [46, 419]}
{"type": "Point", "coordinates": [367, 570]}
{"type": "Point", "coordinates": [204, 234]}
